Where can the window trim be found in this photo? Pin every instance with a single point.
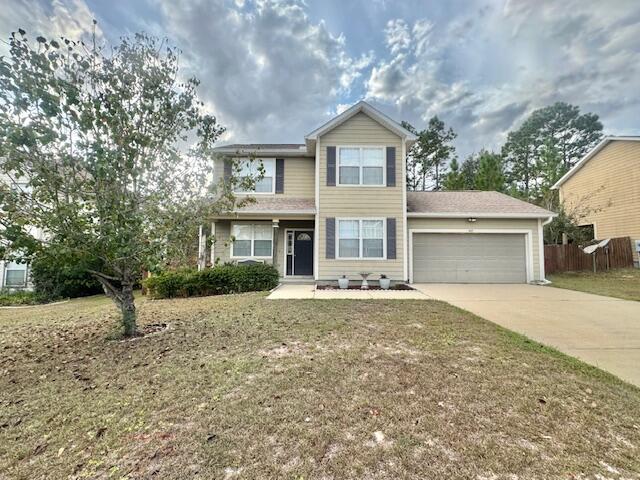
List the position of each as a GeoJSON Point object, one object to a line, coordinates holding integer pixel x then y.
{"type": "Point", "coordinates": [273, 183]}
{"type": "Point", "coordinates": [253, 235]}
{"type": "Point", "coordinates": [360, 238]}
{"type": "Point", "coordinates": [360, 148]}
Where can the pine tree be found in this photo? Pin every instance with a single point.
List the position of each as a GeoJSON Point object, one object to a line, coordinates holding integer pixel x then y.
{"type": "Point", "coordinates": [490, 172]}
{"type": "Point", "coordinates": [454, 180]}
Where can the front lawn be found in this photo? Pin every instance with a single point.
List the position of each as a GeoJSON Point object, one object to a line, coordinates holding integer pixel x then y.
{"type": "Point", "coordinates": [623, 283]}
{"type": "Point", "coordinates": [240, 387]}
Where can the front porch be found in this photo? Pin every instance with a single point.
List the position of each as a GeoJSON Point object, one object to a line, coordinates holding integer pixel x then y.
{"type": "Point", "coordinates": [288, 244]}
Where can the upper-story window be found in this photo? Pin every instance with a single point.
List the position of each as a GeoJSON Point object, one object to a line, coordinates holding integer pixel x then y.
{"type": "Point", "coordinates": [361, 166]}
{"type": "Point", "coordinates": [250, 168]}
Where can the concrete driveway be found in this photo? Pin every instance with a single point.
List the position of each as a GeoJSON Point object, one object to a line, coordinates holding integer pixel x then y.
{"type": "Point", "coordinates": [602, 331]}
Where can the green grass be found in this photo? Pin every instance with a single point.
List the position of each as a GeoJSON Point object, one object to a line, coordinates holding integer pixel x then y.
{"type": "Point", "coordinates": [623, 283]}
{"type": "Point", "coordinates": [240, 387]}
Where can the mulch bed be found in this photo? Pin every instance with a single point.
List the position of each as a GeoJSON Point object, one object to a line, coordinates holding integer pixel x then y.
{"type": "Point", "coordinates": [399, 286]}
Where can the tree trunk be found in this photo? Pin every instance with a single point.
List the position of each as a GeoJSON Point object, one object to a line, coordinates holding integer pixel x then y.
{"type": "Point", "coordinates": [121, 292]}
{"type": "Point", "coordinates": [128, 309]}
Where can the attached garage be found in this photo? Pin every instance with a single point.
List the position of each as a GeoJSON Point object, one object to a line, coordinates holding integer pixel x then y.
{"type": "Point", "coordinates": [469, 258]}
{"type": "Point", "coordinates": [474, 237]}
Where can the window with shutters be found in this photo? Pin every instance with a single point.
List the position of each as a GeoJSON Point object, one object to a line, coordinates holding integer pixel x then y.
{"type": "Point", "coordinates": [251, 240]}
{"type": "Point", "coordinates": [253, 168]}
{"type": "Point", "coordinates": [363, 166]}
{"type": "Point", "coordinates": [360, 238]}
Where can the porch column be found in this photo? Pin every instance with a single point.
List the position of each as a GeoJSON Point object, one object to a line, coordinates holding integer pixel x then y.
{"type": "Point", "coordinates": [213, 244]}
{"type": "Point", "coordinates": [276, 231]}
{"type": "Point", "coordinates": [202, 248]}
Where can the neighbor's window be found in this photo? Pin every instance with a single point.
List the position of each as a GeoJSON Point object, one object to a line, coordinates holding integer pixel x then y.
{"type": "Point", "coordinates": [250, 168]}
{"type": "Point", "coordinates": [251, 240]}
{"type": "Point", "coordinates": [15, 274]}
{"type": "Point", "coordinates": [361, 166]}
{"type": "Point", "coordinates": [360, 238]}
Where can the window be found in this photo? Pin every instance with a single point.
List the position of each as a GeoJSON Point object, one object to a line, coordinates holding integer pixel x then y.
{"type": "Point", "coordinates": [251, 240]}
{"type": "Point", "coordinates": [361, 238]}
{"type": "Point", "coordinates": [361, 166]}
{"type": "Point", "coordinates": [251, 169]}
{"type": "Point", "coordinates": [15, 274]}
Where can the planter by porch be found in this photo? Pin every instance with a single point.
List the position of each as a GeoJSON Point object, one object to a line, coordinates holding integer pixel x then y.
{"type": "Point", "coordinates": [343, 283]}
{"type": "Point", "coordinates": [385, 283]}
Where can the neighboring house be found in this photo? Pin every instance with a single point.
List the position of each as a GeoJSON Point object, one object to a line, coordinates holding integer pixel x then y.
{"type": "Point", "coordinates": [604, 186]}
{"type": "Point", "coordinates": [338, 205]}
{"type": "Point", "coordinates": [13, 275]}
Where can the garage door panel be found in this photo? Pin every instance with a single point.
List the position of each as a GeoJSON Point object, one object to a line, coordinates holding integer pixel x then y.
{"type": "Point", "coordinates": [469, 258]}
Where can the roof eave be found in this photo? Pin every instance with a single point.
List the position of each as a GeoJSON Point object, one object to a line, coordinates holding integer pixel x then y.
{"type": "Point", "coordinates": [480, 215]}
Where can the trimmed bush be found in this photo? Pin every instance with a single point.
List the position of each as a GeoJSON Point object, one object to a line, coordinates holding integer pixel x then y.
{"type": "Point", "coordinates": [219, 280]}
{"type": "Point", "coordinates": [21, 298]}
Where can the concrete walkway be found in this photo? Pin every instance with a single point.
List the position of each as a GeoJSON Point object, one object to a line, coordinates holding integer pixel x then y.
{"type": "Point", "coordinates": [290, 291]}
{"type": "Point", "coordinates": [602, 331]}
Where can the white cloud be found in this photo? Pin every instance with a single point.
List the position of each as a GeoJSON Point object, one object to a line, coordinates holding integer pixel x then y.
{"type": "Point", "coordinates": [270, 72]}
{"type": "Point", "coordinates": [68, 18]}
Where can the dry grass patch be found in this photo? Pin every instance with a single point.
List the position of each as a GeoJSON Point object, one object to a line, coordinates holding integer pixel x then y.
{"type": "Point", "coordinates": [242, 387]}
{"type": "Point", "coordinates": [622, 283]}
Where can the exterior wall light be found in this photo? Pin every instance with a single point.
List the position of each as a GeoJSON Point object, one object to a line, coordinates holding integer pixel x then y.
{"type": "Point", "coordinates": [471, 220]}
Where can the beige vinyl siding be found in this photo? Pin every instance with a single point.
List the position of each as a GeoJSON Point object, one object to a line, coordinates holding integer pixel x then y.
{"type": "Point", "coordinates": [223, 239]}
{"type": "Point", "coordinates": [299, 174]}
{"type": "Point", "coordinates": [359, 202]}
{"type": "Point", "coordinates": [609, 185]}
{"type": "Point", "coordinates": [484, 223]}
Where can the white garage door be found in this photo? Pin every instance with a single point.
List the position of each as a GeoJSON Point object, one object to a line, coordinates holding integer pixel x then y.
{"type": "Point", "coordinates": [469, 258]}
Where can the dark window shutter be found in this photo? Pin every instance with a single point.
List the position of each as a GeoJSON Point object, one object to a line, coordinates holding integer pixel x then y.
{"type": "Point", "coordinates": [391, 238]}
{"type": "Point", "coordinates": [227, 169]}
{"type": "Point", "coordinates": [331, 166]}
{"type": "Point", "coordinates": [279, 175]}
{"type": "Point", "coordinates": [391, 166]}
{"type": "Point", "coordinates": [331, 237]}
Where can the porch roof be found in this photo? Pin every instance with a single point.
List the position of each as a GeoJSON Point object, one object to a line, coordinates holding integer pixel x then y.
{"type": "Point", "coordinates": [277, 206]}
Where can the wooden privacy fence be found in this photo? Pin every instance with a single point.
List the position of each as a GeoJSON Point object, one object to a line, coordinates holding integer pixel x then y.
{"type": "Point", "coordinates": [569, 258]}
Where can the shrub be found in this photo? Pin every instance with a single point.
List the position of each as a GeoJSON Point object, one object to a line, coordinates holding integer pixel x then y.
{"type": "Point", "coordinates": [219, 280]}
{"type": "Point", "coordinates": [21, 298]}
{"type": "Point", "coordinates": [60, 274]}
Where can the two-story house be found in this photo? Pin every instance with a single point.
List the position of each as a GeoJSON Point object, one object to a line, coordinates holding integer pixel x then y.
{"type": "Point", "coordinates": [338, 205]}
{"type": "Point", "coordinates": [604, 189]}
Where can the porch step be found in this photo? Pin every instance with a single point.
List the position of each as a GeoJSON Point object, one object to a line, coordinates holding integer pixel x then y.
{"type": "Point", "coordinates": [300, 280]}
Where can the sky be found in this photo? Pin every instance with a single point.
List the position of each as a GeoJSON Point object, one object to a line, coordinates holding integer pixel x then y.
{"type": "Point", "coordinates": [274, 70]}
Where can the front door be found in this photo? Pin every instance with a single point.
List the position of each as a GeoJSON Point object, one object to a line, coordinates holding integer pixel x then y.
{"type": "Point", "coordinates": [300, 252]}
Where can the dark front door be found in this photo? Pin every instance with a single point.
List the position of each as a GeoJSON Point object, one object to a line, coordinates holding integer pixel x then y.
{"type": "Point", "coordinates": [302, 252]}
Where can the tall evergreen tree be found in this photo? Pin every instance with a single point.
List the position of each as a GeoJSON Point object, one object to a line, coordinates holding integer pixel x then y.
{"type": "Point", "coordinates": [454, 179]}
{"type": "Point", "coordinates": [469, 170]}
{"type": "Point", "coordinates": [490, 172]}
{"type": "Point", "coordinates": [427, 159]}
{"type": "Point", "coordinates": [561, 125]}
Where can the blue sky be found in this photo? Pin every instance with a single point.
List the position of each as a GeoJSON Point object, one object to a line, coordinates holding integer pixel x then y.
{"type": "Point", "coordinates": [272, 71]}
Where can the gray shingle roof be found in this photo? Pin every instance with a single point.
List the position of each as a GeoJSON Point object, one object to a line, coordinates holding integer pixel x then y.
{"type": "Point", "coordinates": [471, 202]}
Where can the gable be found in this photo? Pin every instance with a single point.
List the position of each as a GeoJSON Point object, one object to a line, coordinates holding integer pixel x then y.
{"type": "Point", "coordinates": [613, 164]}
{"type": "Point", "coordinates": [361, 129]}
{"type": "Point", "coordinates": [355, 110]}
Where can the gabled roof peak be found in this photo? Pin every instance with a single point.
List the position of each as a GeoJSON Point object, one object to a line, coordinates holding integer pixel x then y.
{"type": "Point", "coordinates": [370, 111]}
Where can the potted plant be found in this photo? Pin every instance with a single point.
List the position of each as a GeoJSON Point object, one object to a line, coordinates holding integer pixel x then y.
{"type": "Point", "coordinates": [343, 282]}
{"type": "Point", "coordinates": [385, 282]}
